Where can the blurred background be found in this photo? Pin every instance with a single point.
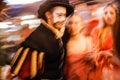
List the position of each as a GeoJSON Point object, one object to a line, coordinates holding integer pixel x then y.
{"type": "Point", "coordinates": [18, 18]}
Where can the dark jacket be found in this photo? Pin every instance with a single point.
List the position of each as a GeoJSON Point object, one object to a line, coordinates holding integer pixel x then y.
{"type": "Point", "coordinates": [41, 40]}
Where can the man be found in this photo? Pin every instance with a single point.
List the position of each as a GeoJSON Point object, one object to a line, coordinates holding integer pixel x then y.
{"type": "Point", "coordinates": [3, 7]}
{"type": "Point", "coordinates": [29, 62]}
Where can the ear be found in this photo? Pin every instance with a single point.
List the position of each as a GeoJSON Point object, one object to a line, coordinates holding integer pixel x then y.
{"type": "Point", "coordinates": [48, 14]}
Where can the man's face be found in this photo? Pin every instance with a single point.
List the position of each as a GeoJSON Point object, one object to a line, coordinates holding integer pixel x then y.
{"type": "Point", "coordinates": [58, 16]}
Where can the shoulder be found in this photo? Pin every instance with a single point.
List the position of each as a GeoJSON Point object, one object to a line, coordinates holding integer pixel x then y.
{"type": "Point", "coordinates": [96, 30]}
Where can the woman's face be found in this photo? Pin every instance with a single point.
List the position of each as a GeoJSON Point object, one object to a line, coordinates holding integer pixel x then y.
{"type": "Point", "coordinates": [109, 15]}
{"type": "Point", "coordinates": [75, 24]}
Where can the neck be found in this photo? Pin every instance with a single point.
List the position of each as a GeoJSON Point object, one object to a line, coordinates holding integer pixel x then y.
{"type": "Point", "coordinates": [76, 36]}
{"type": "Point", "coordinates": [108, 25]}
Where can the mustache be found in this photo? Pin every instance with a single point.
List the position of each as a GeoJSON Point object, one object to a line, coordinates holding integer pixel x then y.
{"type": "Point", "coordinates": [59, 22]}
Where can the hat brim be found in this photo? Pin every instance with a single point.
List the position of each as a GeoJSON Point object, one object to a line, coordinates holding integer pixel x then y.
{"type": "Point", "coordinates": [47, 6]}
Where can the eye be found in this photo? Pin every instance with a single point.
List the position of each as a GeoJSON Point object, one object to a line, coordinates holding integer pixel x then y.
{"type": "Point", "coordinates": [112, 13]}
{"type": "Point", "coordinates": [61, 15]}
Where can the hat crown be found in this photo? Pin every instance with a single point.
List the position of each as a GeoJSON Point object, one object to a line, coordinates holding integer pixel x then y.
{"type": "Point", "coordinates": [62, 1]}
{"type": "Point", "coordinates": [49, 4]}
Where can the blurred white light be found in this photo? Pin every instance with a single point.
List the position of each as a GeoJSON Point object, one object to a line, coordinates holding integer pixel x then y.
{"type": "Point", "coordinates": [32, 23]}
{"type": "Point", "coordinates": [5, 24]}
{"type": "Point", "coordinates": [15, 2]}
{"type": "Point", "coordinates": [36, 21]}
{"type": "Point", "coordinates": [99, 12]}
{"type": "Point", "coordinates": [27, 17]}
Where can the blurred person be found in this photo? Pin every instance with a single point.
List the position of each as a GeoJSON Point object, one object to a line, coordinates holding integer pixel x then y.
{"type": "Point", "coordinates": [2, 6]}
{"type": "Point", "coordinates": [102, 63]}
{"type": "Point", "coordinates": [79, 43]}
{"type": "Point", "coordinates": [41, 55]}
{"type": "Point", "coordinates": [108, 59]}
{"type": "Point", "coordinates": [3, 9]}
{"type": "Point", "coordinates": [103, 35]}
{"type": "Point", "coordinates": [3, 56]}
{"type": "Point", "coordinates": [3, 16]}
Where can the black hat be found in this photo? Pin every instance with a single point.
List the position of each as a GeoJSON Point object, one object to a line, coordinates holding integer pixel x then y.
{"type": "Point", "coordinates": [92, 2]}
{"type": "Point", "coordinates": [47, 5]}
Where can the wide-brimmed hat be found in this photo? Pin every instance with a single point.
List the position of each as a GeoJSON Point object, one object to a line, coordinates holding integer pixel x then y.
{"type": "Point", "coordinates": [48, 4]}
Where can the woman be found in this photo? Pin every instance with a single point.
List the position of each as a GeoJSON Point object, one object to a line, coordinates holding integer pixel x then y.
{"type": "Point", "coordinates": [111, 68]}
{"type": "Point", "coordinates": [78, 44]}
{"type": "Point", "coordinates": [103, 35]}
{"type": "Point", "coordinates": [104, 62]}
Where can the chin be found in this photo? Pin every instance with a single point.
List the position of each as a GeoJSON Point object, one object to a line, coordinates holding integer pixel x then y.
{"type": "Point", "coordinates": [57, 26]}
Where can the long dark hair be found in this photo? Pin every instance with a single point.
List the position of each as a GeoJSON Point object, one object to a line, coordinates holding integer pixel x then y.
{"type": "Point", "coordinates": [116, 30]}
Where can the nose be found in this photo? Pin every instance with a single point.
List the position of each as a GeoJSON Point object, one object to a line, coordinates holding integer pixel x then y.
{"type": "Point", "coordinates": [109, 15]}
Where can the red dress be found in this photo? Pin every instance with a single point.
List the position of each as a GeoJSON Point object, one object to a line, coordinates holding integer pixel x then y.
{"type": "Point", "coordinates": [103, 38]}
{"type": "Point", "coordinates": [74, 68]}
{"type": "Point", "coordinates": [92, 65]}
{"type": "Point", "coordinates": [88, 66]}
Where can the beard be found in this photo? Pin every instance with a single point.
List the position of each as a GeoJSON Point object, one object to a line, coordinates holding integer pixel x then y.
{"type": "Point", "coordinates": [58, 25]}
